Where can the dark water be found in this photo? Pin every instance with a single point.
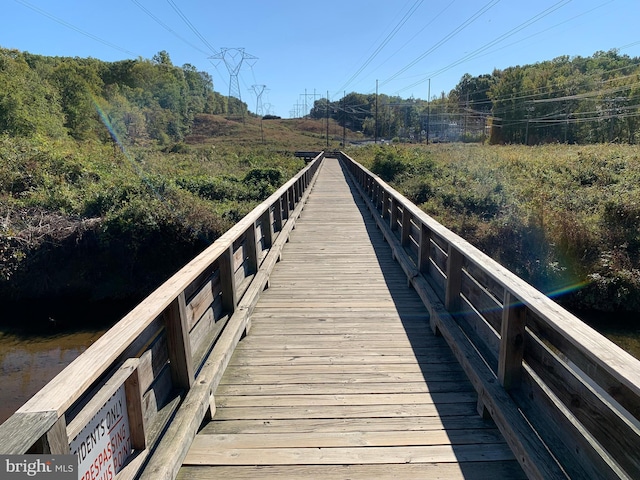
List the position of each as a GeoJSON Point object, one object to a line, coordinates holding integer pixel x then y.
{"type": "Point", "coordinates": [28, 363]}
{"type": "Point", "coordinates": [39, 339]}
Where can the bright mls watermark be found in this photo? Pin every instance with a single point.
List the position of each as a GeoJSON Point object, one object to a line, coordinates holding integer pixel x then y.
{"type": "Point", "coordinates": [49, 467]}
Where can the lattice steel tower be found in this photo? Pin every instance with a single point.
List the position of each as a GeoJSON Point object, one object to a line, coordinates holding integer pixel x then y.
{"type": "Point", "coordinates": [233, 59]}
{"type": "Point", "coordinates": [259, 90]}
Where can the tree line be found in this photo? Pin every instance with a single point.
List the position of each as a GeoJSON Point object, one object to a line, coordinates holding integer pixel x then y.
{"type": "Point", "coordinates": [578, 100]}
{"type": "Point", "coordinates": [138, 100]}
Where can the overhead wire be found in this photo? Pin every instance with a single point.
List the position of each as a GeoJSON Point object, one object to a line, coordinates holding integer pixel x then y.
{"type": "Point", "coordinates": [497, 40]}
{"type": "Point", "coordinates": [444, 40]}
{"type": "Point", "coordinates": [438, 15]}
{"type": "Point", "coordinates": [166, 27]}
{"type": "Point", "coordinates": [191, 26]}
{"type": "Point", "coordinates": [479, 53]}
{"type": "Point", "coordinates": [73, 27]}
{"type": "Point", "coordinates": [384, 43]}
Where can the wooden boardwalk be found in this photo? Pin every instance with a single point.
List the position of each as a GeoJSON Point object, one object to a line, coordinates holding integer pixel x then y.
{"type": "Point", "coordinates": [340, 375]}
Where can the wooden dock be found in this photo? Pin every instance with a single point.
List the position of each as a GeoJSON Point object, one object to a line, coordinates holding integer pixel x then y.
{"type": "Point", "coordinates": [340, 374]}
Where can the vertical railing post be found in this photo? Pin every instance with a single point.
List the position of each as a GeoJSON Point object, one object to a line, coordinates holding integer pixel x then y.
{"type": "Point", "coordinates": [178, 344]}
{"type": "Point", "coordinates": [385, 204]}
{"type": "Point", "coordinates": [285, 205]}
{"type": "Point", "coordinates": [405, 230]}
{"type": "Point", "coordinates": [55, 441]}
{"type": "Point", "coordinates": [135, 411]}
{"type": "Point", "coordinates": [424, 252]}
{"type": "Point", "coordinates": [277, 215]}
{"type": "Point", "coordinates": [252, 249]}
{"type": "Point", "coordinates": [267, 228]}
{"type": "Point", "coordinates": [291, 197]}
{"type": "Point", "coordinates": [393, 217]}
{"type": "Point", "coordinates": [454, 279]}
{"type": "Point", "coordinates": [424, 248]}
{"type": "Point", "coordinates": [511, 342]}
{"type": "Point", "coordinates": [228, 281]}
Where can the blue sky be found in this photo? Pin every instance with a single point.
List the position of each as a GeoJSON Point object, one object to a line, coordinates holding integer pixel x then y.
{"type": "Point", "coordinates": [332, 46]}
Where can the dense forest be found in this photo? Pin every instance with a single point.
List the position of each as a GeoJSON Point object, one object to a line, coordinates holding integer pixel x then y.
{"type": "Point", "coordinates": [566, 100]}
{"type": "Point", "coordinates": [141, 100]}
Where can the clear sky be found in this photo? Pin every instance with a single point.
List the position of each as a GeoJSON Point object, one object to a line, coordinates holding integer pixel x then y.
{"type": "Point", "coordinates": [306, 49]}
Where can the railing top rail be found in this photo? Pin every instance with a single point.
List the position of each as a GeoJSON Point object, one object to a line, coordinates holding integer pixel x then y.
{"type": "Point", "coordinates": [61, 392]}
{"type": "Point", "coordinates": [602, 351]}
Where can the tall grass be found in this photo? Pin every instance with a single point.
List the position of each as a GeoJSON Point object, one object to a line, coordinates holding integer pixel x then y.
{"type": "Point", "coordinates": [565, 218]}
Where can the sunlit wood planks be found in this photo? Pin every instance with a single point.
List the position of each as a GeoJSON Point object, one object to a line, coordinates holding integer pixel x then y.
{"type": "Point", "coordinates": [340, 375]}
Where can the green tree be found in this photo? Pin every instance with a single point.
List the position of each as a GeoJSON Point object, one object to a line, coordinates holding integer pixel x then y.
{"type": "Point", "coordinates": [28, 105]}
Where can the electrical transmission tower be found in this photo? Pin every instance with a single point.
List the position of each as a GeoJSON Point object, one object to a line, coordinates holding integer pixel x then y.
{"type": "Point", "coordinates": [259, 90]}
{"type": "Point", "coordinates": [233, 59]}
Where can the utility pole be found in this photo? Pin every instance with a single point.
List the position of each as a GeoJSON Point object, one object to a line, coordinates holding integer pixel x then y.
{"type": "Point", "coordinates": [376, 122]}
{"type": "Point", "coordinates": [327, 114]}
{"type": "Point", "coordinates": [428, 110]}
{"type": "Point", "coordinates": [305, 96]}
{"type": "Point", "coordinates": [344, 120]}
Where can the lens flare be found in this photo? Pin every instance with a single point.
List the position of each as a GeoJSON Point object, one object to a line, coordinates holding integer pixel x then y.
{"type": "Point", "coordinates": [104, 118]}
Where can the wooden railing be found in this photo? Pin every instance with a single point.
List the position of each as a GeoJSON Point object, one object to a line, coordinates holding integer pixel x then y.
{"type": "Point", "coordinates": [566, 399]}
{"type": "Point", "coordinates": [165, 358]}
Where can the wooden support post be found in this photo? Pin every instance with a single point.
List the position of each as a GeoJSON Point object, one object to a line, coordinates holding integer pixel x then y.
{"type": "Point", "coordinates": [252, 250]}
{"type": "Point", "coordinates": [55, 441]}
{"type": "Point", "coordinates": [277, 215]}
{"type": "Point", "coordinates": [285, 206]}
{"type": "Point", "coordinates": [267, 228]}
{"type": "Point", "coordinates": [228, 281]}
{"type": "Point", "coordinates": [406, 226]}
{"type": "Point", "coordinates": [291, 204]}
{"type": "Point", "coordinates": [393, 218]}
{"type": "Point", "coordinates": [424, 248]}
{"type": "Point", "coordinates": [512, 342]}
{"type": "Point", "coordinates": [454, 279]}
{"type": "Point", "coordinates": [385, 204]}
{"type": "Point", "coordinates": [298, 191]}
{"type": "Point", "coordinates": [178, 343]}
{"type": "Point", "coordinates": [134, 408]}
{"type": "Point", "coordinates": [211, 411]}
{"type": "Point", "coordinates": [482, 410]}
{"type": "Point", "coordinates": [424, 251]}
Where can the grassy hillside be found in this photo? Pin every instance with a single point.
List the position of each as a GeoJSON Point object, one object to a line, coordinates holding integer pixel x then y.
{"type": "Point", "coordinates": [280, 134]}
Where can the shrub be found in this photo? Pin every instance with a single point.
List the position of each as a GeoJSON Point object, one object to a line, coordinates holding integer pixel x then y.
{"type": "Point", "coordinates": [387, 165]}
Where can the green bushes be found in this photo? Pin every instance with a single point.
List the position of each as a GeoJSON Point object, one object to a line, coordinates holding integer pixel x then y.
{"type": "Point", "coordinates": [557, 215]}
{"type": "Point", "coordinates": [85, 219]}
{"type": "Point", "coordinates": [387, 165]}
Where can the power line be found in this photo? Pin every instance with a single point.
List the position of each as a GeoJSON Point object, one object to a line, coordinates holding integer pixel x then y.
{"type": "Point", "coordinates": [384, 43]}
{"type": "Point", "coordinates": [504, 36]}
{"type": "Point", "coordinates": [166, 27]}
{"type": "Point", "coordinates": [191, 26]}
{"type": "Point", "coordinates": [444, 40]}
{"type": "Point", "coordinates": [73, 27]}
{"type": "Point", "coordinates": [440, 13]}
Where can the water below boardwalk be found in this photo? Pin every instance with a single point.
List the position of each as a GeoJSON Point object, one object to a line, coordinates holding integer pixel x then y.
{"type": "Point", "coordinates": [28, 363]}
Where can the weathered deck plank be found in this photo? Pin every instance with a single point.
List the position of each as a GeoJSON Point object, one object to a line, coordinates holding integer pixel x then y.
{"type": "Point", "coordinates": [339, 375]}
